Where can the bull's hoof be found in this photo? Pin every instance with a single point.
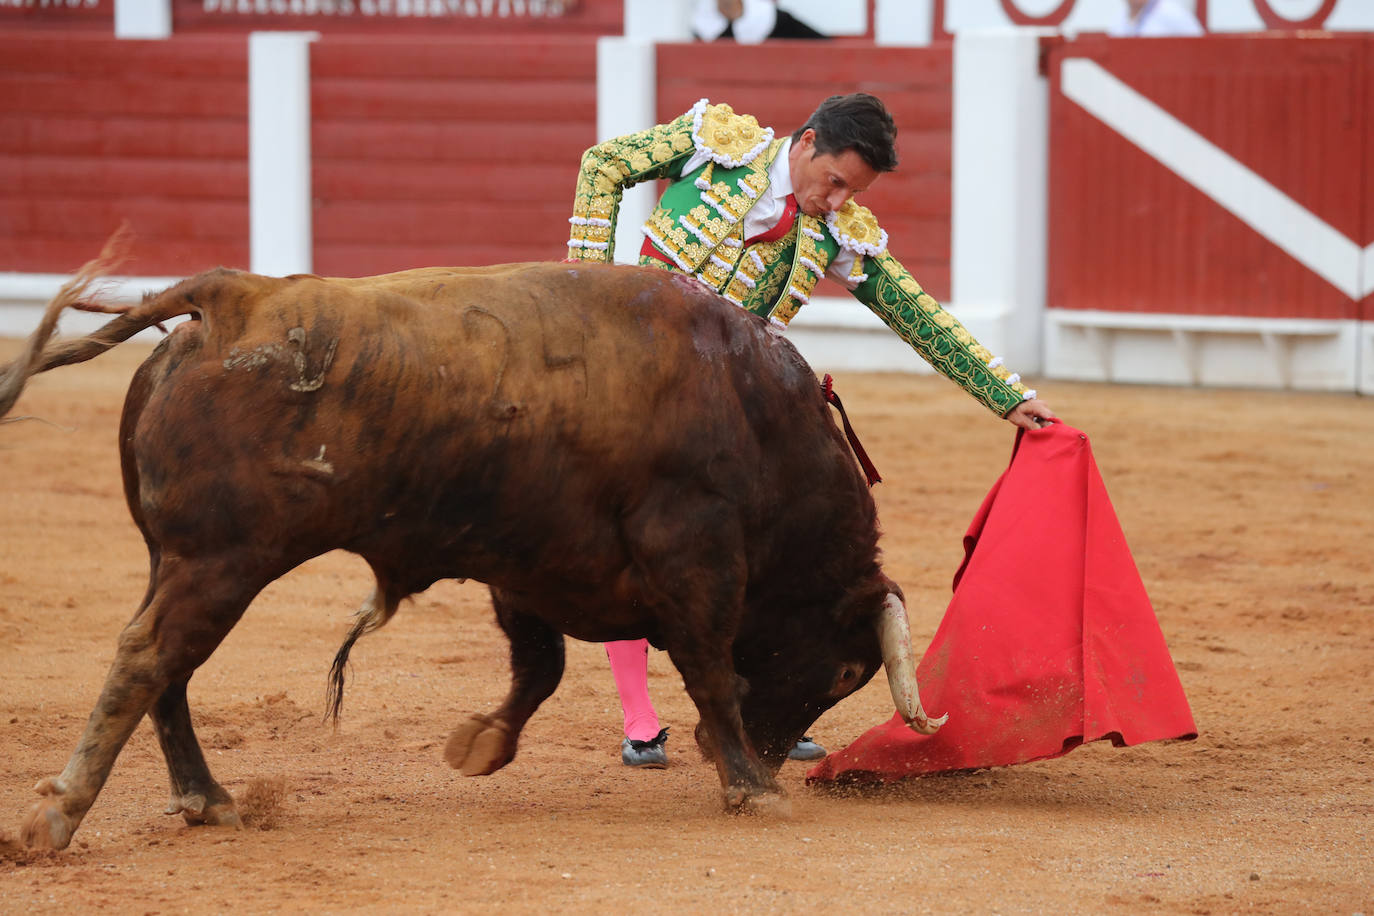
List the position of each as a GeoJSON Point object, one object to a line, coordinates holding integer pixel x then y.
{"type": "Point", "coordinates": [223, 815]}
{"type": "Point", "coordinates": [741, 800]}
{"type": "Point", "coordinates": [196, 811]}
{"type": "Point", "coordinates": [46, 827]}
{"type": "Point", "coordinates": [479, 746]}
{"type": "Point", "coordinates": [770, 804]}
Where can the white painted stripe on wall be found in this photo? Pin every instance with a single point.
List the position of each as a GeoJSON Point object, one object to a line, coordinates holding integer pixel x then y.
{"type": "Point", "coordinates": [142, 18]}
{"type": "Point", "coordinates": [1276, 216]}
{"type": "Point", "coordinates": [279, 190]}
{"type": "Point", "coordinates": [626, 101]}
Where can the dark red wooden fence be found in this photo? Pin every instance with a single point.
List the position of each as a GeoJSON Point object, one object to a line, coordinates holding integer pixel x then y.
{"type": "Point", "coordinates": [447, 151]}
{"type": "Point", "coordinates": [95, 131]}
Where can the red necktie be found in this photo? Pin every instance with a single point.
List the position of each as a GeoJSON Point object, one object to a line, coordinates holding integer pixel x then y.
{"type": "Point", "coordinates": [789, 216]}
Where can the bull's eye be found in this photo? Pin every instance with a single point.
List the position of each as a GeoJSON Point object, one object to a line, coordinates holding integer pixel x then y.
{"type": "Point", "coordinates": [847, 680]}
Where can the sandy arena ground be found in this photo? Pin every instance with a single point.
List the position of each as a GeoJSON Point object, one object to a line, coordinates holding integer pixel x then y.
{"type": "Point", "coordinates": [1250, 518]}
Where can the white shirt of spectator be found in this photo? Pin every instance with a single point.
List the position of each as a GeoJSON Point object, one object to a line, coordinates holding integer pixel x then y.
{"type": "Point", "coordinates": [1158, 19]}
{"type": "Point", "coordinates": [751, 28]}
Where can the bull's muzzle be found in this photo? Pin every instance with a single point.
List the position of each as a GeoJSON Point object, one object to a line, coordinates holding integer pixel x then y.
{"type": "Point", "coordinates": [894, 635]}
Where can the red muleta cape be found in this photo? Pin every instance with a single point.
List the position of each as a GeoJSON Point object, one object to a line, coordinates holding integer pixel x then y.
{"type": "Point", "coordinates": [1049, 641]}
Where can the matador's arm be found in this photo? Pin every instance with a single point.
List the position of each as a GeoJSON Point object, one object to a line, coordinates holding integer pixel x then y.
{"type": "Point", "coordinates": [704, 132]}
{"type": "Point", "coordinates": [608, 169]}
{"type": "Point", "coordinates": [894, 296]}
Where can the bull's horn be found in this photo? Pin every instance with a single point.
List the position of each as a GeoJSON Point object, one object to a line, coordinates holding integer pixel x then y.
{"type": "Point", "coordinates": [894, 635]}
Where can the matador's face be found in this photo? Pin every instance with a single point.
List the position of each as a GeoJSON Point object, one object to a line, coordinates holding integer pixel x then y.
{"type": "Point", "coordinates": [822, 182]}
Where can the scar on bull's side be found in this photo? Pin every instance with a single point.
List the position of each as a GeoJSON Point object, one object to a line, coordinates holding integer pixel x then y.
{"type": "Point", "coordinates": [307, 379]}
{"type": "Point", "coordinates": [317, 469]}
{"type": "Point", "coordinates": [255, 358]}
{"type": "Point", "coordinates": [317, 466]}
{"type": "Point", "coordinates": [572, 352]}
{"type": "Point", "coordinates": [298, 337]}
{"type": "Point", "coordinates": [497, 406]}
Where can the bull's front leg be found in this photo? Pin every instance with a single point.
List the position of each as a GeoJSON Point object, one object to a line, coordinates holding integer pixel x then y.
{"type": "Point", "coordinates": [716, 689]}
{"type": "Point", "coordinates": [688, 547]}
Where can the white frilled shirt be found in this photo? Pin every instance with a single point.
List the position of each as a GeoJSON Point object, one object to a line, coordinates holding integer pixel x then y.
{"type": "Point", "coordinates": [1158, 19]}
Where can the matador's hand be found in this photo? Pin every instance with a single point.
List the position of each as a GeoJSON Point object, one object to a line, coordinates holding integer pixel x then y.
{"type": "Point", "coordinates": [1032, 414]}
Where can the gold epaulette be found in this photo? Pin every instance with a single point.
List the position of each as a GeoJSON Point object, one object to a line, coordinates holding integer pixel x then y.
{"type": "Point", "coordinates": [856, 229]}
{"type": "Point", "coordinates": [730, 139]}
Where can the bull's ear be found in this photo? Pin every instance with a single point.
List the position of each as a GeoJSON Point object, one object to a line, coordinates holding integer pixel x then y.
{"type": "Point", "coordinates": [890, 587]}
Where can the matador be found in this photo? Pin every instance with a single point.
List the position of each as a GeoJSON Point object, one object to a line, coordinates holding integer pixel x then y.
{"type": "Point", "coordinates": [760, 219]}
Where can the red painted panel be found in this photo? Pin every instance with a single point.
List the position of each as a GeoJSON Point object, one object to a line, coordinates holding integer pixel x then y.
{"type": "Point", "coordinates": [447, 143]}
{"type": "Point", "coordinates": [94, 132]}
{"type": "Point", "coordinates": [493, 58]}
{"type": "Point", "coordinates": [186, 57]}
{"type": "Point", "coordinates": [446, 151]}
{"type": "Point", "coordinates": [482, 101]}
{"type": "Point", "coordinates": [451, 18]}
{"type": "Point", "coordinates": [152, 255]}
{"type": "Point", "coordinates": [136, 96]}
{"type": "Point", "coordinates": [767, 81]}
{"type": "Point", "coordinates": [1127, 234]}
{"type": "Point", "coordinates": [363, 259]}
{"type": "Point", "coordinates": [166, 136]}
{"type": "Point", "coordinates": [87, 218]}
{"type": "Point", "coordinates": [420, 223]}
{"type": "Point", "coordinates": [38, 177]}
{"type": "Point", "coordinates": [479, 186]}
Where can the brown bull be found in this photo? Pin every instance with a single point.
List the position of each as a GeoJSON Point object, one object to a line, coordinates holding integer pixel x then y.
{"type": "Point", "coordinates": [615, 451]}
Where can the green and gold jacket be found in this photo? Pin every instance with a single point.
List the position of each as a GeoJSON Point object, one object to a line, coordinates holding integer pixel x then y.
{"type": "Point", "coordinates": [699, 225]}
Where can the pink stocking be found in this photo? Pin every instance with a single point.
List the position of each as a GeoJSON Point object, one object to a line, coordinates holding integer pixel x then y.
{"type": "Point", "coordinates": [630, 667]}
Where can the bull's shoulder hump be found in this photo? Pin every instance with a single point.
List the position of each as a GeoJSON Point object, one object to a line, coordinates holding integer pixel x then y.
{"type": "Point", "coordinates": [212, 290]}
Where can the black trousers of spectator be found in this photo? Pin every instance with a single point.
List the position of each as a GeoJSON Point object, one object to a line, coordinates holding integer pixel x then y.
{"type": "Point", "coordinates": [787, 26]}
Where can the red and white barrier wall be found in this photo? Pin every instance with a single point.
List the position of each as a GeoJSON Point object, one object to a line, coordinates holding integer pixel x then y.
{"type": "Point", "coordinates": [1151, 210]}
{"type": "Point", "coordinates": [284, 152]}
{"type": "Point", "coordinates": [1171, 211]}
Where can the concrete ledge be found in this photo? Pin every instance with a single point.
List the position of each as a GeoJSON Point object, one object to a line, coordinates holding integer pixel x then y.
{"type": "Point", "coordinates": [1218, 350]}
{"type": "Point", "coordinates": [24, 296]}
{"type": "Point", "coordinates": [831, 332]}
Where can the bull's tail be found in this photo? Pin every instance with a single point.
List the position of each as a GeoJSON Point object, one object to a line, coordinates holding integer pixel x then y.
{"type": "Point", "coordinates": [379, 607]}
{"type": "Point", "coordinates": [42, 353]}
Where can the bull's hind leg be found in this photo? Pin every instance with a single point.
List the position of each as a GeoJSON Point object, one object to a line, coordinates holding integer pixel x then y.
{"type": "Point", "coordinates": [485, 743]}
{"type": "Point", "coordinates": [195, 794]}
{"type": "Point", "coordinates": [190, 608]}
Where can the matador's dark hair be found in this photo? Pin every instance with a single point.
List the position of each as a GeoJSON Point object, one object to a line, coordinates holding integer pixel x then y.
{"type": "Point", "coordinates": [857, 121]}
